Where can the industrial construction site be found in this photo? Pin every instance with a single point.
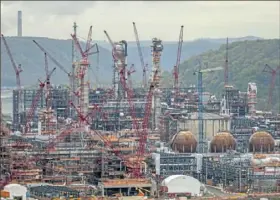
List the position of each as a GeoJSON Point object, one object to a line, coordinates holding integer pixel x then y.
{"type": "Point", "coordinates": [127, 142]}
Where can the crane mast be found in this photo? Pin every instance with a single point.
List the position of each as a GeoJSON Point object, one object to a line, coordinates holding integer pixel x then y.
{"type": "Point", "coordinates": [157, 48]}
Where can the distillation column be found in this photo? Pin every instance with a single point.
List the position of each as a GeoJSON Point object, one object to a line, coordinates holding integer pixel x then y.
{"type": "Point", "coordinates": [157, 48]}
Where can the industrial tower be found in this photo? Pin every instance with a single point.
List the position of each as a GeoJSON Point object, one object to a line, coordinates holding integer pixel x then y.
{"type": "Point", "coordinates": [157, 48]}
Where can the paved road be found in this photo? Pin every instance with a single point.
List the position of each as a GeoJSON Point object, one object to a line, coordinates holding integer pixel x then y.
{"type": "Point", "coordinates": [217, 192]}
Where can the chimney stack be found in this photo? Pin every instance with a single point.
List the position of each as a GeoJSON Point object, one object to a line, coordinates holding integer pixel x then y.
{"type": "Point", "coordinates": [19, 28]}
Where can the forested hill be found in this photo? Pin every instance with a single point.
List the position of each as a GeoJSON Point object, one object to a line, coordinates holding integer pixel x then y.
{"type": "Point", "coordinates": [26, 53]}
{"type": "Point", "coordinates": [247, 60]}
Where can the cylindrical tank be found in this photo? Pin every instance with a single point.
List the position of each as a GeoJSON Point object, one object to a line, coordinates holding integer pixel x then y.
{"type": "Point", "coordinates": [261, 141]}
{"type": "Point", "coordinates": [184, 142]}
{"type": "Point", "coordinates": [222, 142]}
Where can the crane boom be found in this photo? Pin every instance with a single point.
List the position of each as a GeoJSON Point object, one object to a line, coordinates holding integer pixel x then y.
{"type": "Point", "coordinates": [54, 60]}
{"type": "Point", "coordinates": [17, 70]}
{"type": "Point", "coordinates": [176, 67]}
{"type": "Point", "coordinates": [109, 39]}
{"type": "Point", "coordinates": [144, 78]}
{"type": "Point", "coordinates": [35, 101]}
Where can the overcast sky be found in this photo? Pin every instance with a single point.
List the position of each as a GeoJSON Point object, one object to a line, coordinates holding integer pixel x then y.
{"type": "Point", "coordinates": [54, 19]}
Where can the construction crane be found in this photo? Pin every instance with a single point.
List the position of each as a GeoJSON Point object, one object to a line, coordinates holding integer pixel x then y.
{"type": "Point", "coordinates": [226, 66]}
{"type": "Point", "coordinates": [48, 95]}
{"type": "Point", "coordinates": [144, 67]}
{"type": "Point", "coordinates": [119, 59]}
{"type": "Point", "coordinates": [18, 70]}
{"type": "Point", "coordinates": [199, 73]}
{"type": "Point", "coordinates": [273, 73]}
{"type": "Point", "coordinates": [176, 67]}
{"type": "Point", "coordinates": [35, 100]}
{"type": "Point", "coordinates": [83, 67]}
{"type": "Point", "coordinates": [70, 75]}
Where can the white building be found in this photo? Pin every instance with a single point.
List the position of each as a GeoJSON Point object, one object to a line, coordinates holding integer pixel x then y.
{"type": "Point", "coordinates": [181, 184]}
{"type": "Point", "coordinates": [16, 191]}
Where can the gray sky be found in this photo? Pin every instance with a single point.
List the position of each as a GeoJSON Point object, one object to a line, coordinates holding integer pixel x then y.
{"type": "Point", "coordinates": [153, 19]}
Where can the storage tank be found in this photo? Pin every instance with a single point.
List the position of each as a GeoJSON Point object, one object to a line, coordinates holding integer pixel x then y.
{"type": "Point", "coordinates": [184, 142]}
{"type": "Point", "coordinates": [222, 142]}
{"type": "Point", "coordinates": [261, 141]}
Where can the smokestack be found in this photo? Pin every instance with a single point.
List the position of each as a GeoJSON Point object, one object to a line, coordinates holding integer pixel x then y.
{"type": "Point", "coordinates": [19, 29]}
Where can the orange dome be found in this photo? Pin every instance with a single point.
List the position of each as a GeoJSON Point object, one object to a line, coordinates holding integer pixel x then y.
{"type": "Point", "coordinates": [261, 141]}
{"type": "Point", "coordinates": [222, 142]}
{"type": "Point", "coordinates": [184, 142]}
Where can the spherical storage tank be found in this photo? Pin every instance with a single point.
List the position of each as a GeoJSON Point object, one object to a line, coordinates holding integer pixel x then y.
{"type": "Point", "coordinates": [184, 142]}
{"type": "Point", "coordinates": [261, 141]}
{"type": "Point", "coordinates": [222, 142]}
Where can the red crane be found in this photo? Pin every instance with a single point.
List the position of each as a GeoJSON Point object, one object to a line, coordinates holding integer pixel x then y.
{"type": "Point", "coordinates": [30, 113]}
{"type": "Point", "coordinates": [273, 73]}
{"type": "Point", "coordinates": [144, 131]}
{"type": "Point", "coordinates": [176, 67]}
{"type": "Point", "coordinates": [54, 60]}
{"type": "Point", "coordinates": [84, 64]}
{"type": "Point", "coordinates": [144, 67]}
{"type": "Point", "coordinates": [17, 70]}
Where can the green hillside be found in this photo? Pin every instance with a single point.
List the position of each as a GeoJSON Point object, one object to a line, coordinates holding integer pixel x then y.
{"type": "Point", "coordinates": [246, 63]}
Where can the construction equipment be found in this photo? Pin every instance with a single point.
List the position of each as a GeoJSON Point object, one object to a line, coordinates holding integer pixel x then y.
{"type": "Point", "coordinates": [18, 70]}
{"type": "Point", "coordinates": [199, 73]}
{"type": "Point", "coordinates": [273, 73]}
{"type": "Point", "coordinates": [176, 66]}
{"type": "Point", "coordinates": [144, 67]}
{"type": "Point", "coordinates": [30, 114]}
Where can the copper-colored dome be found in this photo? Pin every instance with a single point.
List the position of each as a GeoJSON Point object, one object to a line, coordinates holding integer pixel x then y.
{"type": "Point", "coordinates": [261, 141]}
{"type": "Point", "coordinates": [184, 142]}
{"type": "Point", "coordinates": [222, 142]}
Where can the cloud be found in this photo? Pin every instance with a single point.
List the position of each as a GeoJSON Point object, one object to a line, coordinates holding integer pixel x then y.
{"type": "Point", "coordinates": [161, 19]}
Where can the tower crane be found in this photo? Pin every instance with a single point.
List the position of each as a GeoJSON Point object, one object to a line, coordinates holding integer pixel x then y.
{"type": "Point", "coordinates": [144, 67]}
{"type": "Point", "coordinates": [199, 73]}
{"type": "Point", "coordinates": [176, 67]}
{"type": "Point", "coordinates": [17, 70]}
{"type": "Point", "coordinates": [273, 73]}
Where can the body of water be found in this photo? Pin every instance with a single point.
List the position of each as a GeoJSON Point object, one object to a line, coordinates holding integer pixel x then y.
{"type": "Point", "coordinates": [7, 102]}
